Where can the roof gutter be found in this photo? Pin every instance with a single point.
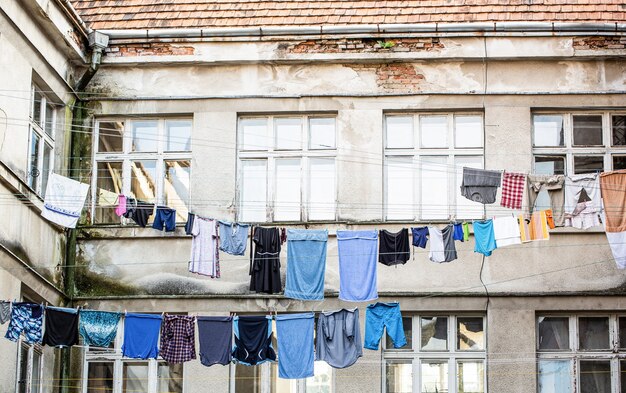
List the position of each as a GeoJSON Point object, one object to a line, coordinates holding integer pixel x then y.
{"type": "Point", "coordinates": [73, 15]}
{"type": "Point", "coordinates": [547, 28]}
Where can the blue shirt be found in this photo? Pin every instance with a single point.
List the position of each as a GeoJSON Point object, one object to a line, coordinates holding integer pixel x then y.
{"type": "Point", "coordinates": [141, 336]}
{"type": "Point", "coordinates": [233, 237]}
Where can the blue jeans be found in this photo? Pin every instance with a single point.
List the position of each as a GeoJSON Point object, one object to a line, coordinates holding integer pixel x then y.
{"type": "Point", "coordinates": [383, 315]}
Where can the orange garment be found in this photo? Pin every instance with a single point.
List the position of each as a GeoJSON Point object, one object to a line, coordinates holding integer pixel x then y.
{"type": "Point", "coordinates": [536, 229]}
{"type": "Point", "coordinates": [613, 188]}
{"type": "Point", "coordinates": [550, 218]}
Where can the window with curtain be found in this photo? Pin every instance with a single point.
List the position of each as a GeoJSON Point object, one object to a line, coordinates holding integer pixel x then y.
{"type": "Point", "coordinates": [43, 120]}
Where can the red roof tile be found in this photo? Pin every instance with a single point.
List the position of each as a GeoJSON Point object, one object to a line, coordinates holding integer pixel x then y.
{"type": "Point", "coordinates": [145, 14]}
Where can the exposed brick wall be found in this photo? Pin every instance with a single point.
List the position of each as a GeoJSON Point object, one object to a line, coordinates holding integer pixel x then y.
{"type": "Point", "coordinates": [151, 49]}
{"type": "Point", "coordinates": [394, 77]}
{"type": "Point", "coordinates": [357, 45]}
{"type": "Point", "coordinates": [599, 42]}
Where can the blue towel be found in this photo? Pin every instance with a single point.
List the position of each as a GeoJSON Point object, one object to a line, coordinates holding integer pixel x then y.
{"type": "Point", "coordinates": [141, 336]}
{"type": "Point", "coordinates": [358, 257]}
{"type": "Point", "coordinates": [306, 264]}
{"type": "Point", "coordinates": [295, 345]}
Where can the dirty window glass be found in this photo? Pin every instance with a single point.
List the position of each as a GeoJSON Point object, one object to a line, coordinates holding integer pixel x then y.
{"type": "Point", "coordinates": [400, 175]}
{"type": "Point", "coordinates": [587, 130]}
{"type": "Point", "coordinates": [178, 135]}
{"type": "Point", "coordinates": [407, 327]}
{"type": "Point", "coordinates": [247, 379]}
{"type": "Point", "coordinates": [322, 381]}
{"type": "Point", "coordinates": [588, 164]}
{"type": "Point", "coordinates": [145, 136]}
{"type": "Point", "coordinates": [470, 333]}
{"type": "Point", "coordinates": [434, 187]}
{"type": "Point", "coordinates": [322, 189]}
{"type": "Point", "coordinates": [399, 375]}
{"type": "Point", "coordinates": [109, 185]}
{"type": "Point", "coordinates": [434, 131]}
{"type": "Point", "coordinates": [434, 376]}
{"type": "Point", "coordinates": [254, 134]}
{"type": "Point", "coordinates": [468, 131]}
{"type": "Point", "coordinates": [434, 333]}
{"type": "Point", "coordinates": [399, 132]}
{"type": "Point", "coordinates": [619, 130]}
{"type": "Point", "coordinates": [50, 120]}
{"type": "Point", "coordinates": [554, 376]}
{"type": "Point", "coordinates": [288, 195]}
{"type": "Point", "coordinates": [553, 333]}
{"type": "Point", "coordinates": [37, 103]}
{"type": "Point", "coordinates": [593, 332]}
{"type": "Point", "coordinates": [177, 184]}
{"type": "Point", "coordinates": [46, 166]}
{"type": "Point", "coordinates": [471, 377]}
{"type": "Point", "coordinates": [619, 162]}
{"type": "Point", "coordinates": [170, 378]}
{"type": "Point", "coordinates": [595, 376]}
{"type": "Point", "coordinates": [254, 190]}
{"type": "Point", "coordinates": [548, 130]}
{"type": "Point", "coordinates": [322, 133]}
{"type": "Point", "coordinates": [622, 332]}
{"type": "Point", "coordinates": [288, 133]}
{"type": "Point", "coordinates": [143, 180]}
{"type": "Point", "coordinates": [135, 377]}
{"type": "Point", "coordinates": [110, 136]}
{"type": "Point", "coordinates": [33, 168]}
{"type": "Point", "coordinates": [100, 377]}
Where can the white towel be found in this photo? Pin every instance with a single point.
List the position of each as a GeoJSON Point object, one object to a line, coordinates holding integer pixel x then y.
{"type": "Point", "coordinates": [64, 200]}
{"type": "Point", "coordinates": [506, 231]}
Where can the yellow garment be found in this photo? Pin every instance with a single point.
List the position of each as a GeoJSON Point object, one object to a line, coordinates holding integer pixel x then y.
{"type": "Point", "coordinates": [537, 229]}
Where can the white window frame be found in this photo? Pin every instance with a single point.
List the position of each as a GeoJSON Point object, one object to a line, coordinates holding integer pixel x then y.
{"type": "Point", "coordinates": [114, 355]}
{"type": "Point", "coordinates": [31, 349]}
{"type": "Point", "coordinates": [574, 354]}
{"type": "Point", "coordinates": [126, 156]}
{"type": "Point", "coordinates": [35, 175]}
{"type": "Point", "coordinates": [607, 150]}
{"type": "Point", "coordinates": [417, 153]}
{"type": "Point", "coordinates": [271, 154]}
{"type": "Point", "coordinates": [452, 355]}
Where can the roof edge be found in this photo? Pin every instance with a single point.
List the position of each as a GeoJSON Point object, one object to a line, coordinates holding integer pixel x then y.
{"type": "Point", "coordinates": [548, 28]}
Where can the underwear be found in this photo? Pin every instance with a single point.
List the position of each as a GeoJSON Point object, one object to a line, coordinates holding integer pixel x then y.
{"type": "Point", "coordinates": [420, 236]}
{"type": "Point", "coordinates": [164, 217]}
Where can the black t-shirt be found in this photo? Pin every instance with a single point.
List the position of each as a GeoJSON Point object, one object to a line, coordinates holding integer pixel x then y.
{"type": "Point", "coordinates": [393, 248]}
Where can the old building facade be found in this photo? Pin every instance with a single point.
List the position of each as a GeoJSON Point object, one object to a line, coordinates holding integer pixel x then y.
{"type": "Point", "coordinates": [326, 115]}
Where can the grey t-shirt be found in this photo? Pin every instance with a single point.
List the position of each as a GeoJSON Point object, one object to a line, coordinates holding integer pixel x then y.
{"type": "Point", "coordinates": [5, 312]}
{"type": "Point", "coordinates": [339, 338]}
{"type": "Point", "coordinates": [448, 243]}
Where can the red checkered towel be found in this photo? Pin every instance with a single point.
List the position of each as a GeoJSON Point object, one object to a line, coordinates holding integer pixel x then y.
{"type": "Point", "coordinates": [513, 190]}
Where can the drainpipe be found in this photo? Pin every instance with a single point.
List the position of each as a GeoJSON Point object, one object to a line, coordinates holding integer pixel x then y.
{"type": "Point", "coordinates": [97, 43]}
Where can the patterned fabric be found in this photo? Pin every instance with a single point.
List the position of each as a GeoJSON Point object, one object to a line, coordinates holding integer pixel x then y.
{"type": "Point", "coordinates": [178, 340]}
{"type": "Point", "coordinates": [512, 190]}
{"type": "Point", "coordinates": [5, 312]}
{"type": "Point", "coordinates": [98, 328]}
{"type": "Point", "coordinates": [27, 318]}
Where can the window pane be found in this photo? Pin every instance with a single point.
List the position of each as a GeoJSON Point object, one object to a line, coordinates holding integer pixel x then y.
{"type": "Point", "coordinates": [322, 189]}
{"type": "Point", "coordinates": [548, 130]}
{"type": "Point", "coordinates": [322, 382]}
{"type": "Point", "coordinates": [37, 102]}
{"type": "Point", "coordinates": [622, 375]}
{"type": "Point", "coordinates": [170, 378]}
{"type": "Point", "coordinates": [46, 167]}
{"type": "Point", "coordinates": [49, 126]}
{"type": "Point", "coordinates": [468, 131]}
{"type": "Point", "coordinates": [33, 169]}
{"type": "Point", "coordinates": [619, 130]}
{"type": "Point", "coordinates": [588, 164]}
{"type": "Point", "coordinates": [550, 165]}
{"type": "Point", "coordinates": [619, 162]}
{"type": "Point", "coordinates": [109, 185]}
{"type": "Point", "coordinates": [287, 198]}
{"type": "Point", "coordinates": [100, 377]}
{"type": "Point", "coordinates": [280, 385]}
{"type": "Point", "coordinates": [434, 377]}
{"type": "Point", "coordinates": [587, 130]}
{"type": "Point", "coordinates": [464, 207]}
{"type": "Point", "coordinates": [247, 379]}
{"type": "Point", "coordinates": [254, 134]}
{"type": "Point", "coordinates": [595, 376]}
{"type": "Point", "coordinates": [622, 332]}
{"type": "Point", "coordinates": [434, 333]}
{"type": "Point", "coordinates": [21, 383]}
{"type": "Point", "coordinates": [110, 136]}
{"type": "Point", "coordinates": [399, 376]}
{"type": "Point", "coordinates": [553, 333]}
{"type": "Point", "coordinates": [593, 332]}
{"type": "Point", "coordinates": [399, 132]}
{"type": "Point", "coordinates": [143, 180]}
{"type": "Point", "coordinates": [145, 135]}
{"type": "Point", "coordinates": [288, 133]}
{"type": "Point", "coordinates": [471, 378]}
{"type": "Point", "coordinates": [36, 373]}
{"type": "Point", "coordinates": [322, 133]}
{"type": "Point", "coordinates": [407, 326]}
{"type": "Point", "coordinates": [470, 334]}
{"type": "Point", "coordinates": [400, 187]}
{"type": "Point", "coordinates": [177, 178]}
{"type": "Point", "coordinates": [178, 134]}
{"type": "Point", "coordinates": [434, 131]}
{"type": "Point", "coordinates": [253, 190]}
{"type": "Point", "coordinates": [434, 188]}
{"type": "Point", "coordinates": [555, 376]}
{"type": "Point", "coordinates": [135, 377]}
